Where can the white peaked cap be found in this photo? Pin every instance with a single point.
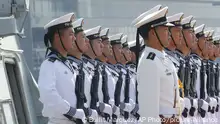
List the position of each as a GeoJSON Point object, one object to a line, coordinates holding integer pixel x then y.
{"type": "Point", "coordinates": [104, 32]}
{"type": "Point", "coordinates": [78, 23]}
{"type": "Point", "coordinates": [193, 23]}
{"type": "Point", "coordinates": [133, 43]}
{"type": "Point", "coordinates": [207, 33]}
{"type": "Point", "coordinates": [216, 38]}
{"type": "Point", "coordinates": [116, 39]}
{"type": "Point", "coordinates": [124, 39]}
{"type": "Point", "coordinates": [187, 20]}
{"type": "Point", "coordinates": [154, 9]}
{"type": "Point", "coordinates": [199, 29]}
{"type": "Point", "coordinates": [65, 19]}
{"type": "Point", "coordinates": [176, 18]}
{"type": "Point", "coordinates": [93, 31]}
{"type": "Point", "coordinates": [211, 33]}
{"type": "Point", "coordinates": [154, 16]}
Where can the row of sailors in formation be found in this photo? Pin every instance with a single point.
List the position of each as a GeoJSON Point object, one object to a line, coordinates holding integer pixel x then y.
{"type": "Point", "coordinates": [87, 77]}
{"type": "Point", "coordinates": [177, 75]}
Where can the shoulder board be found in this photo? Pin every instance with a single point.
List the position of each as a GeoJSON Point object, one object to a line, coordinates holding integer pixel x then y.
{"type": "Point", "coordinates": [52, 59]}
{"type": "Point", "coordinates": [151, 56]}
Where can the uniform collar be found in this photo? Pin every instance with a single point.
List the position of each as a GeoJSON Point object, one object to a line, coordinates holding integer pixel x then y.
{"type": "Point", "coordinates": [73, 58]}
{"type": "Point", "coordinates": [179, 54]}
{"type": "Point", "coordinates": [86, 59]}
{"type": "Point", "coordinates": [158, 53]}
{"type": "Point", "coordinates": [169, 52]}
{"type": "Point", "coordinates": [56, 54]}
{"type": "Point", "coordinates": [195, 56]}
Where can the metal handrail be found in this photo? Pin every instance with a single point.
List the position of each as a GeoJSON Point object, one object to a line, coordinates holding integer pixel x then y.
{"type": "Point", "coordinates": [2, 113]}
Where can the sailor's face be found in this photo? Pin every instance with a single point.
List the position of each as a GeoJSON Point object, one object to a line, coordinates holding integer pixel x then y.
{"type": "Point", "coordinates": [176, 33]}
{"type": "Point", "coordinates": [67, 38]}
{"type": "Point", "coordinates": [202, 42]}
{"type": "Point", "coordinates": [190, 38]}
{"type": "Point", "coordinates": [163, 34]}
{"type": "Point", "coordinates": [133, 57]}
{"type": "Point", "coordinates": [117, 49]}
{"type": "Point", "coordinates": [97, 46]}
{"type": "Point", "coordinates": [206, 49]}
{"type": "Point", "coordinates": [216, 51]}
{"type": "Point", "coordinates": [171, 45]}
{"type": "Point", "coordinates": [209, 48]}
{"type": "Point", "coordinates": [81, 41]}
{"type": "Point", "coordinates": [107, 50]}
{"type": "Point", "coordinates": [127, 53]}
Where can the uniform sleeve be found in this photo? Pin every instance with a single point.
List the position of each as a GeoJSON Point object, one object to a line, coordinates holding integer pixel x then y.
{"type": "Point", "coordinates": [176, 81]}
{"type": "Point", "coordinates": [52, 101]}
{"type": "Point", "coordinates": [111, 86]}
{"type": "Point", "coordinates": [148, 78]}
{"type": "Point", "coordinates": [132, 92]}
{"type": "Point", "coordinates": [179, 100]}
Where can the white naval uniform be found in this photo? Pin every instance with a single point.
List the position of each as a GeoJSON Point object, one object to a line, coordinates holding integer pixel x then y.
{"type": "Point", "coordinates": [197, 60]}
{"type": "Point", "coordinates": [87, 83]}
{"type": "Point", "coordinates": [180, 101]}
{"type": "Point", "coordinates": [56, 85]}
{"type": "Point", "coordinates": [110, 82]}
{"type": "Point", "coordinates": [88, 68]}
{"type": "Point", "coordinates": [129, 106]}
{"type": "Point", "coordinates": [156, 86]}
{"type": "Point", "coordinates": [112, 85]}
{"type": "Point", "coordinates": [185, 102]}
{"type": "Point", "coordinates": [132, 94]}
{"type": "Point", "coordinates": [210, 117]}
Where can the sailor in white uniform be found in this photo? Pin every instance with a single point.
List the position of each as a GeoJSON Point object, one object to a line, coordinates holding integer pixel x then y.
{"type": "Point", "coordinates": [216, 41]}
{"type": "Point", "coordinates": [94, 74]}
{"type": "Point", "coordinates": [57, 78]}
{"type": "Point", "coordinates": [185, 66]}
{"type": "Point", "coordinates": [211, 78]}
{"type": "Point", "coordinates": [111, 61]}
{"type": "Point", "coordinates": [155, 71]}
{"type": "Point", "coordinates": [130, 80]}
{"type": "Point", "coordinates": [107, 86]}
{"type": "Point", "coordinates": [174, 42]}
{"type": "Point", "coordinates": [120, 100]}
{"type": "Point", "coordinates": [132, 67]}
{"type": "Point", "coordinates": [74, 56]}
{"type": "Point", "coordinates": [200, 73]}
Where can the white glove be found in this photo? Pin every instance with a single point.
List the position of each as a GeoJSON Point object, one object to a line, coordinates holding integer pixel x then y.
{"type": "Point", "coordinates": [214, 102]}
{"type": "Point", "coordinates": [182, 104]}
{"type": "Point", "coordinates": [111, 102]}
{"type": "Point", "coordinates": [108, 109]}
{"type": "Point", "coordinates": [94, 114]}
{"type": "Point", "coordinates": [105, 108]}
{"type": "Point", "coordinates": [205, 105]}
{"type": "Point", "coordinates": [195, 103]}
{"type": "Point", "coordinates": [126, 107]}
{"type": "Point", "coordinates": [80, 115]}
{"type": "Point", "coordinates": [187, 103]}
{"type": "Point", "coordinates": [116, 110]}
{"type": "Point", "coordinates": [218, 100]}
{"type": "Point", "coordinates": [132, 104]}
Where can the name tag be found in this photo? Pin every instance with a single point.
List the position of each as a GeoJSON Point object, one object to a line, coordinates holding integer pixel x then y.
{"type": "Point", "coordinates": [169, 73]}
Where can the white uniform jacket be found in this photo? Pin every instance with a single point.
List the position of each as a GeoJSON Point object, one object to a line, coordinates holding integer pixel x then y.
{"type": "Point", "coordinates": [156, 85]}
